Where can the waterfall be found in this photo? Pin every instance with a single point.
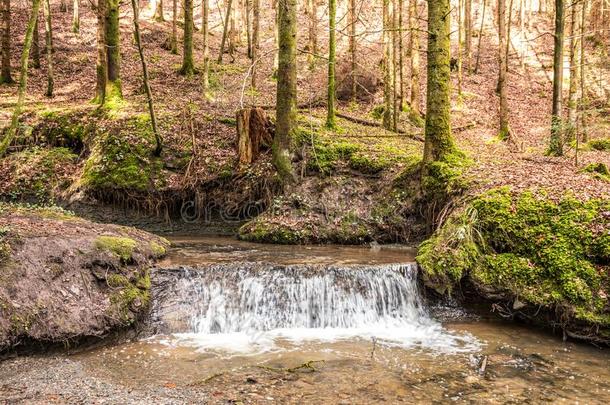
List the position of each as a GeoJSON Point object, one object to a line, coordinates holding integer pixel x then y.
{"type": "Point", "coordinates": [254, 303]}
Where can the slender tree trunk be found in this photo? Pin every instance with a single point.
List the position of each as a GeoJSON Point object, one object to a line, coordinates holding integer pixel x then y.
{"type": "Point", "coordinates": [188, 66]}
{"type": "Point", "coordinates": [36, 48]}
{"type": "Point", "coordinates": [401, 59]}
{"type": "Point", "coordinates": [415, 66]}
{"type": "Point", "coordinates": [459, 49]}
{"type": "Point", "coordinates": [256, 23]}
{"type": "Point", "coordinates": [387, 77]}
{"type": "Point", "coordinates": [5, 71]}
{"type": "Point", "coordinates": [100, 68]}
{"type": "Point", "coordinates": [248, 24]}
{"type": "Point", "coordinates": [75, 17]}
{"type": "Point", "coordinates": [159, 12]}
{"type": "Point", "coordinates": [205, 29]}
{"type": "Point", "coordinates": [468, 32]}
{"type": "Point", "coordinates": [46, 8]}
{"type": "Point", "coordinates": [276, 55]}
{"type": "Point", "coordinates": [353, 19]}
{"type": "Point", "coordinates": [395, 85]}
{"type": "Point", "coordinates": [332, 44]}
{"type": "Point", "coordinates": [508, 31]}
{"type": "Point", "coordinates": [286, 107]}
{"type": "Point", "coordinates": [174, 38]}
{"type": "Point", "coordinates": [556, 142]}
{"type": "Point", "coordinates": [476, 67]}
{"type": "Point", "coordinates": [583, 95]}
{"type": "Point", "coordinates": [25, 56]}
{"type": "Point", "coordinates": [149, 98]}
{"type": "Point", "coordinates": [225, 31]}
{"type": "Point", "coordinates": [113, 54]}
{"type": "Point", "coordinates": [438, 139]}
{"type": "Point", "coordinates": [312, 11]}
{"type": "Point", "coordinates": [504, 133]}
{"type": "Point", "coordinates": [574, 71]}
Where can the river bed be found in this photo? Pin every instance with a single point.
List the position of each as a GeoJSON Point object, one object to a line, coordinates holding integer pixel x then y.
{"type": "Point", "coordinates": [373, 354]}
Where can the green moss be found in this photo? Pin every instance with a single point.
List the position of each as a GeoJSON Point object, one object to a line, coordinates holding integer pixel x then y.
{"type": "Point", "coordinates": [122, 247]}
{"type": "Point", "coordinates": [598, 170]}
{"type": "Point", "coordinates": [130, 296]}
{"type": "Point", "coordinates": [547, 253]}
{"type": "Point", "coordinates": [599, 144]}
{"type": "Point", "coordinates": [157, 249]}
{"type": "Point", "coordinates": [264, 232]}
{"type": "Point", "coordinates": [444, 178]}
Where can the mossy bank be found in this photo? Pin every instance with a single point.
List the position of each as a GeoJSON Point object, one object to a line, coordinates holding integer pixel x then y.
{"type": "Point", "coordinates": [533, 257]}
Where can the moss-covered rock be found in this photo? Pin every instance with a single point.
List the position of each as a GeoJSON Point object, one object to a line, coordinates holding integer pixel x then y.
{"type": "Point", "coordinates": [598, 170]}
{"type": "Point", "coordinates": [527, 247]}
{"type": "Point", "coordinates": [122, 247]}
{"type": "Point", "coordinates": [599, 144]}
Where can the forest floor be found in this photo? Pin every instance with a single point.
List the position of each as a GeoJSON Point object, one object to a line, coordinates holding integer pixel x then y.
{"type": "Point", "coordinates": [199, 129]}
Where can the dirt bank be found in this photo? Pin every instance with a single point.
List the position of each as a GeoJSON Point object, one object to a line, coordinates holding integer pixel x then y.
{"type": "Point", "coordinates": [63, 278]}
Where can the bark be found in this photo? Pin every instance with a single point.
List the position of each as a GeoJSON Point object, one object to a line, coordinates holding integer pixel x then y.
{"type": "Point", "coordinates": [401, 60]}
{"type": "Point", "coordinates": [188, 65]}
{"type": "Point", "coordinates": [254, 134]}
{"type": "Point", "coordinates": [49, 47]}
{"type": "Point", "coordinates": [225, 31]}
{"type": "Point", "coordinates": [255, 39]}
{"type": "Point", "coordinates": [286, 100]}
{"type": "Point", "coordinates": [151, 108]}
{"type": "Point", "coordinates": [438, 139]}
{"type": "Point", "coordinates": [387, 78]}
{"type": "Point", "coordinates": [75, 17]}
{"type": "Point", "coordinates": [468, 32]}
{"type": "Point", "coordinates": [459, 48]}
{"type": "Point", "coordinates": [395, 32]}
{"type": "Point", "coordinates": [5, 71]}
{"type": "Point", "coordinates": [113, 54]}
{"type": "Point", "coordinates": [205, 29]}
{"type": "Point", "coordinates": [504, 133]}
{"type": "Point", "coordinates": [248, 24]}
{"type": "Point", "coordinates": [583, 113]}
{"type": "Point", "coordinates": [36, 47]}
{"type": "Point", "coordinates": [100, 68]}
{"type": "Point", "coordinates": [332, 45]}
{"type": "Point", "coordinates": [415, 65]}
{"type": "Point", "coordinates": [312, 46]}
{"type": "Point", "coordinates": [25, 56]}
{"type": "Point", "coordinates": [556, 142]}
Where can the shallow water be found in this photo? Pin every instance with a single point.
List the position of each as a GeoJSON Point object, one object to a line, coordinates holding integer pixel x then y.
{"type": "Point", "coordinates": [351, 327]}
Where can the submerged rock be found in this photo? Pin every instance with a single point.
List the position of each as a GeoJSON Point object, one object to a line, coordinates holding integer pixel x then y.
{"type": "Point", "coordinates": [63, 278]}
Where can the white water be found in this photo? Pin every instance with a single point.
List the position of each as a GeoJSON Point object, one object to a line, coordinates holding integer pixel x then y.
{"type": "Point", "coordinates": [250, 308]}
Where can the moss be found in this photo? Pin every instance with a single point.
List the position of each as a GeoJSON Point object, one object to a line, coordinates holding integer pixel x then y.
{"type": "Point", "coordinates": [157, 249]}
{"type": "Point", "coordinates": [264, 232]}
{"type": "Point", "coordinates": [599, 144]}
{"type": "Point", "coordinates": [122, 159]}
{"type": "Point", "coordinates": [598, 170]}
{"type": "Point", "coordinates": [130, 296]}
{"type": "Point", "coordinates": [547, 253]}
{"type": "Point", "coordinates": [122, 247]}
{"type": "Point", "coordinates": [444, 177]}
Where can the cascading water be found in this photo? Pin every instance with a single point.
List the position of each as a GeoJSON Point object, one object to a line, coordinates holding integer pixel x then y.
{"type": "Point", "coordinates": [249, 306]}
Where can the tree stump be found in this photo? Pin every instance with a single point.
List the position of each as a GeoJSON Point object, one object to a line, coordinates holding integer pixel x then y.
{"type": "Point", "coordinates": [255, 133]}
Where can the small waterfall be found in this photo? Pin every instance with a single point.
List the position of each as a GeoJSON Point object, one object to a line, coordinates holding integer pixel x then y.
{"type": "Point", "coordinates": [259, 301]}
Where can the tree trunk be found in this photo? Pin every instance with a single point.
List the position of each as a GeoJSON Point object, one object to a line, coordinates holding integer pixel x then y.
{"type": "Point", "coordinates": [574, 71]}
{"type": "Point", "coordinates": [583, 97]}
{"type": "Point", "coordinates": [476, 67]}
{"type": "Point", "coordinates": [255, 39]}
{"type": "Point", "coordinates": [286, 104]}
{"type": "Point", "coordinates": [387, 78]}
{"type": "Point", "coordinates": [5, 71]}
{"type": "Point", "coordinates": [225, 31]}
{"type": "Point", "coordinates": [36, 48]}
{"type": "Point", "coordinates": [188, 66]}
{"type": "Point", "coordinates": [75, 17]}
{"type": "Point", "coordinates": [401, 59]}
{"type": "Point", "coordinates": [113, 54]}
{"type": "Point", "coordinates": [468, 31]}
{"type": "Point", "coordinates": [312, 11]}
{"type": "Point", "coordinates": [46, 8]}
{"type": "Point", "coordinates": [438, 139]}
{"type": "Point", "coordinates": [459, 49]}
{"type": "Point", "coordinates": [504, 133]}
{"type": "Point", "coordinates": [353, 19]}
{"type": "Point", "coordinates": [248, 24]}
{"type": "Point", "coordinates": [25, 56]}
{"type": "Point", "coordinates": [332, 45]}
{"type": "Point", "coordinates": [159, 12]}
{"type": "Point", "coordinates": [100, 68]}
{"type": "Point", "coordinates": [395, 106]}
{"type": "Point", "coordinates": [254, 133]}
{"type": "Point", "coordinates": [556, 142]}
{"type": "Point", "coordinates": [174, 38]}
{"type": "Point", "coordinates": [415, 66]}
{"type": "Point", "coordinates": [205, 29]}
{"type": "Point", "coordinates": [151, 108]}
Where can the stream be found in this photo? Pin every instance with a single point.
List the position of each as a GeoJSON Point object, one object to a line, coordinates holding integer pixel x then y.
{"type": "Point", "coordinates": [235, 322]}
